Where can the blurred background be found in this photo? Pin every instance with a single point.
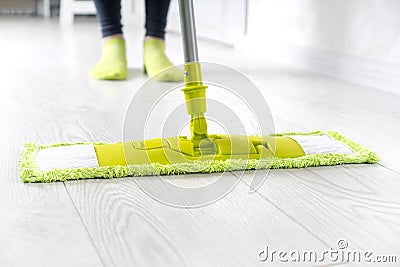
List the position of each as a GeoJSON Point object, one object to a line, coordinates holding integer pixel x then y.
{"type": "Point", "coordinates": [353, 40]}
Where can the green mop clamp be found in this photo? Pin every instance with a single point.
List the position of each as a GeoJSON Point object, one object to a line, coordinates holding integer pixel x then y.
{"type": "Point", "coordinates": [201, 152]}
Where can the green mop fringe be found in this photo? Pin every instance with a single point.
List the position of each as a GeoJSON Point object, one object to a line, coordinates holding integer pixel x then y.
{"type": "Point", "coordinates": [30, 173]}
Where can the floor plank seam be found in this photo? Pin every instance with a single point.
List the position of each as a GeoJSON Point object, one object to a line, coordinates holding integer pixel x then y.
{"type": "Point", "coordinates": [386, 167]}
{"type": "Point", "coordinates": [84, 225]}
{"type": "Point", "coordinates": [335, 264]}
{"type": "Point", "coordinates": [283, 212]}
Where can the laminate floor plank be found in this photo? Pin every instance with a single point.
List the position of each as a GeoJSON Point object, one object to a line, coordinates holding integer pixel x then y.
{"type": "Point", "coordinates": [340, 202]}
{"type": "Point", "coordinates": [131, 228]}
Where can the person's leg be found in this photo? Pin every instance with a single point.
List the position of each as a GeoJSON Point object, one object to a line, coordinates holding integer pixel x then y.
{"type": "Point", "coordinates": [112, 64]}
{"type": "Point", "coordinates": [155, 59]}
{"type": "Point", "coordinates": [156, 17]}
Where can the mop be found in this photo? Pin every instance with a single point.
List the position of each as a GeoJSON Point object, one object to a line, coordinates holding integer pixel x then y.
{"type": "Point", "coordinates": [199, 153]}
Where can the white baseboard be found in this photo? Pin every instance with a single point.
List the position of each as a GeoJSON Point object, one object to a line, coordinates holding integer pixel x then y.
{"type": "Point", "coordinates": [381, 75]}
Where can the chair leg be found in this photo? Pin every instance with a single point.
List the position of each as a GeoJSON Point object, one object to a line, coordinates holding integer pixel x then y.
{"type": "Point", "coordinates": [66, 12]}
{"type": "Point", "coordinates": [46, 8]}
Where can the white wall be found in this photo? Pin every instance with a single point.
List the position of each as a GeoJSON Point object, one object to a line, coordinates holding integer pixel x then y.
{"type": "Point", "coordinates": [341, 38]}
{"type": "Point", "coordinates": [219, 20]}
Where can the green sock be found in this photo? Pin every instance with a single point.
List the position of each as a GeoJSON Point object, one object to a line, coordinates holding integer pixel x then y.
{"type": "Point", "coordinates": [156, 63]}
{"type": "Point", "coordinates": [112, 64]}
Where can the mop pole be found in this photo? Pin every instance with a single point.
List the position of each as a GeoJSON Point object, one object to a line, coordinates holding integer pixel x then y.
{"type": "Point", "coordinates": [194, 89]}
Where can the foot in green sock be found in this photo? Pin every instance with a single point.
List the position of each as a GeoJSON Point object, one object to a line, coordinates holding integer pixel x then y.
{"type": "Point", "coordinates": [112, 64]}
{"type": "Point", "coordinates": [156, 63]}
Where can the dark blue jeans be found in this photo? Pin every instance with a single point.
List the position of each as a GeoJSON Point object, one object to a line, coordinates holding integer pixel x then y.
{"type": "Point", "coordinates": [109, 14]}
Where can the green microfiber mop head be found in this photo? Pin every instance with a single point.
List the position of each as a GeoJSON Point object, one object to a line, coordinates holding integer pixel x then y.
{"type": "Point", "coordinates": [66, 161]}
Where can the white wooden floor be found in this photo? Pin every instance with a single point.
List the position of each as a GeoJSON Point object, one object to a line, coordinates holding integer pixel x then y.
{"type": "Point", "coordinates": [47, 97]}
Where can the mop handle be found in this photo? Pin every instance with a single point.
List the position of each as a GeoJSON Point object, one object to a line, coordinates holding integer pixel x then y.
{"type": "Point", "coordinates": [194, 89]}
{"type": "Point", "coordinates": [188, 29]}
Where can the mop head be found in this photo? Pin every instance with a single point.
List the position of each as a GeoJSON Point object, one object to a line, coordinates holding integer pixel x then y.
{"type": "Point", "coordinates": [73, 161]}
